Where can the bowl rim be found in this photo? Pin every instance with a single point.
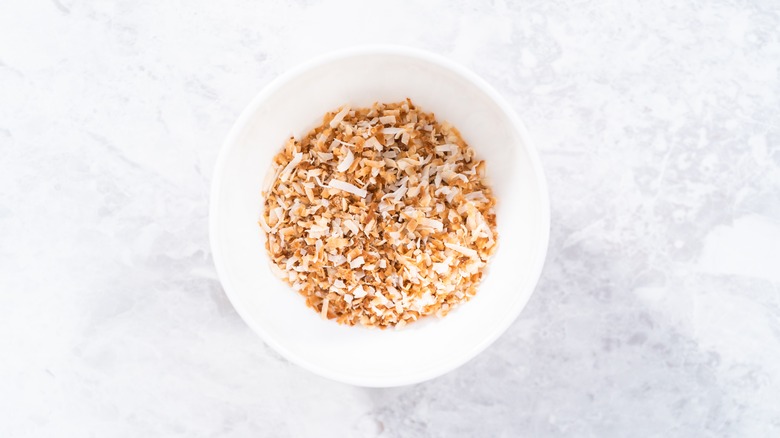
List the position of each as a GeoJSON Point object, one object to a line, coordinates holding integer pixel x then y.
{"type": "Point", "coordinates": [230, 141]}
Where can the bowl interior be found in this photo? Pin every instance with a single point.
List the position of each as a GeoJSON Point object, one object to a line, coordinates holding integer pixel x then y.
{"type": "Point", "coordinates": [373, 357]}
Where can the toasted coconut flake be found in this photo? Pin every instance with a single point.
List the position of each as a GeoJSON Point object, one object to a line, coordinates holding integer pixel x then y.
{"type": "Point", "coordinates": [347, 187]}
{"type": "Point", "coordinates": [399, 194]}
{"type": "Point", "coordinates": [264, 225]}
{"type": "Point", "coordinates": [369, 227]}
{"type": "Point", "coordinates": [440, 268]}
{"type": "Point", "coordinates": [460, 176]}
{"type": "Point", "coordinates": [324, 311]}
{"type": "Point", "coordinates": [297, 158]}
{"type": "Point", "coordinates": [452, 194]}
{"type": "Point", "coordinates": [373, 143]}
{"type": "Point", "coordinates": [358, 262]}
{"type": "Point", "coordinates": [448, 147]}
{"type": "Point", "coordinates": [278, 271]}
{"type": "Point", "coordinates": [339, 117]}
{"type": "Point", "coordinates": [343, 143]}
{"type": "Point", "coordinates": [359, 292]}
{"type": "Point", "coordinates": [432, 223]}
{"type": "Point", "coordinates": [477, 196]}
{"type": "Point", "coordinates": [463, 250]}
{"type": "Point", "coordinates": [269, 179]}
{"type": "Point", "coordinates": [316, 231]}
{"type": "Point", "coordinates": [337, 259]}
{"type": "Point", "coordinates": [392, 131]}
{"type": "Point", "coordinates": [346, 162]}
{"type": "Point", "coordinates": [387, 120]}
{"type": "Point", "coordinates": [351, 226]}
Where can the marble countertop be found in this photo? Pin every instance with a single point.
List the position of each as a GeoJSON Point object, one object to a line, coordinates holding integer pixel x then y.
{"type": "Point", "coordinates": [658, 311]}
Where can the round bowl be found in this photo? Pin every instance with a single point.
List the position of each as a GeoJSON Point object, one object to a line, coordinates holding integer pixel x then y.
{"type": "Point", "coordinates": [294, 103]}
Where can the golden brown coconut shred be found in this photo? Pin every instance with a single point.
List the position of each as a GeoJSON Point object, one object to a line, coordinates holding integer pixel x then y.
{"type": "Point", "coordinates": [379, 216]}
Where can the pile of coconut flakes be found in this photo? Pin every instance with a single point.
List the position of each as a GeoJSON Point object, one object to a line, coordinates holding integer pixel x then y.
{"type": "Point", "coordinates": [379, 216]}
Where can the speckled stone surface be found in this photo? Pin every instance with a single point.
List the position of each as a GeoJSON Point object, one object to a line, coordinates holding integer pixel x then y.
{"type": "Point", "coordinates": [658, 312]}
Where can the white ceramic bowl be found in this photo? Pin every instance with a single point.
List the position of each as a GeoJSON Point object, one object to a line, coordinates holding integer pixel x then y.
{"type": "Point", "coordinates": [295, 103]}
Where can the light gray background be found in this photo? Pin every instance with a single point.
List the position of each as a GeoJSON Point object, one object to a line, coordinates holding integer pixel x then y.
{"type": "Point", "coordinates": [658, 312]}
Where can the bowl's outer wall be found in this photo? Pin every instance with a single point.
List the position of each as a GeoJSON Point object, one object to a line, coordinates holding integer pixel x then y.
{"type": "Point", "coordinates": [295, 103]}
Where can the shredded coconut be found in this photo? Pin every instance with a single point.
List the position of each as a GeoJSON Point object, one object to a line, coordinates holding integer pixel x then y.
{"type": "Point", "coordinates": [297, 158]}
{"type": "Point", "coordinates": [339, 117]}
{"type": "Point", "coordinates": [347, 187]}
{"type": "Point", "coordinates": [346, 162]}
{"type": "Point", "coordinates": [403, 228]}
